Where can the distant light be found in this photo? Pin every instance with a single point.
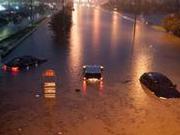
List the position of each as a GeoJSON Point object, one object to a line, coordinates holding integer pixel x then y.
{"type": "Point", "coordinates": [17, 7]}
{"type": "Point", "coordinates": [49, 73]}
{"type": "Point", "coordinates": [115, 9]}
{"type": "Point", "coordinates": [49, 84]}
{"type": "Point", "coordinates": [2, 8]}
{"type": "Point", "coordinates": [15, 69]}
{"type": "Point", "coordinates": [93, 79]}
{"type": "Point", "coordinates": [4, 67]}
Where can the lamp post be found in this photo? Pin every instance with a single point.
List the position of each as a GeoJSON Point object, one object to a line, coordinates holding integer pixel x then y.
{"type": "Point", "coordinates": [8, 6]}
{"type": "Point", "coordinates": [135, 19]}
{"type": "Point", "coordinates": [31, 8]}
{"type": "Point", "coordinates": [64, 19]}
{"type": "Point", "coordinates": [63, 3]}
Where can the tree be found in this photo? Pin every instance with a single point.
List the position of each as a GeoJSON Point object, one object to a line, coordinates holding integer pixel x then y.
{"type": "Point", "coordinates": [172, 24]}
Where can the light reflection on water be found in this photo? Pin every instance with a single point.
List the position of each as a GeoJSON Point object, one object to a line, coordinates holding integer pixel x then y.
{"type": "Point", "coordinates": [75, 55]}
{"type": "Point", "coordinates": [49, 84]}
{"type": "Point", "coordinates": [96, 28]}
{"type": "Point", "coordinates": [98, 45]}
{"type": "Point", "coordinates": [142, 57]}
{"type": "Point", "coordinates": [97, 86]}
{"type": "Point", "coordinates": [115, 30]}
{"type": "Point", "coordinates": [142, 61]}
{"type": "Point", "coordinates": [49, 89]}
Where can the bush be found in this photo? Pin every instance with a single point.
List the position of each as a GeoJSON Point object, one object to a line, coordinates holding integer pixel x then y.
{"type": "Point", "coordinates": [172, 24]}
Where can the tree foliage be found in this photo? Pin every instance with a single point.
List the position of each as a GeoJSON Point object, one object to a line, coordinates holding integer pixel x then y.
{"type": "Point", "coordinates": [172, 24]}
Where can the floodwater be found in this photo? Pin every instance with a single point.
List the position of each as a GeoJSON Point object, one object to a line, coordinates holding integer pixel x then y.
{"type": "Point", "coordinates": [34, 104]}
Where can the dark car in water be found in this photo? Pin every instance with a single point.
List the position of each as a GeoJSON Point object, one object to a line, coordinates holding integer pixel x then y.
{"type": "Point", "coordinates": [21, 63]}
{"type": "Point", "coordinates": [92, 72]}
{"type": "Point", "coordinates": [160, 85]}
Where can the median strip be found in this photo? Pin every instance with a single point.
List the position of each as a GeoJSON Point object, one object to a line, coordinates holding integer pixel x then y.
{"type": "Point", "coordinates": [8, 44]}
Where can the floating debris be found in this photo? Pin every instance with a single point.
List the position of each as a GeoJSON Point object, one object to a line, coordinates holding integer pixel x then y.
{"type": "Point", "coordinates": [126, 81]}
{"type": "Point", "coordinates": [77, 90]}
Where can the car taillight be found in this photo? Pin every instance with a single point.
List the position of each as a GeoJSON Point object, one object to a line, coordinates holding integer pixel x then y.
{"type": "Point", "coordinates": [4, 67]}
{"type": "Point", "coordinates": [15, 69]}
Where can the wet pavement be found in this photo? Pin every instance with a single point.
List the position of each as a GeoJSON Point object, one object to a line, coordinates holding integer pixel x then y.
{"type": "Point", "coordinates": [117, 106]}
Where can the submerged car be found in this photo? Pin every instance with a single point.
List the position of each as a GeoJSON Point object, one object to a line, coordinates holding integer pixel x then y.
{"type": "Point", "coordinates": [93, 72]}
{"type": "Point", "coordinates": [160, 85]}
{"type": "Point", "coordinates": [21, 63]}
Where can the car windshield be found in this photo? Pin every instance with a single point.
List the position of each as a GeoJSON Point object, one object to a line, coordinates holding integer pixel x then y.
{"type": "Point", "coordinates": [74, 67]}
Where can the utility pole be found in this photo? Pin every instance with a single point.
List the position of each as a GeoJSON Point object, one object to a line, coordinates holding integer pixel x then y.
{"type": "Point", "coordinates": [63, 3]}
{"type": "Point", "coordinates": [64, 21]}
{"type": "Point", "coordinates": [134, 25]}
{"type": "Point", "coordinates": [31, 7]}
{"type": "Point", "coordinates": [8, 4]}
{"type": "Point", "coordinates": [134, 4]}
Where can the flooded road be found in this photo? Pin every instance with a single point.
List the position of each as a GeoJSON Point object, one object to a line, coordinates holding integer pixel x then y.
{"type": "Point", "coordinates": [117, 106]}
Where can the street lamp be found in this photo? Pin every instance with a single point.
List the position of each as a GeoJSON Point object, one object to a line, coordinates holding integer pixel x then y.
{"type": "Point", "coordinates": [63, 2]}
{"type": "Point", "coordinates": [135, 19]}
{"type": "Point", "coordinates": [136, 11]}
{"type": "Point", "coordinates": [31, 8]}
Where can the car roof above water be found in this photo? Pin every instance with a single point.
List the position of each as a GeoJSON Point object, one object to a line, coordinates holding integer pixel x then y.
{"type": "Point", "coordinates": [159, 78]}
{"type": "Point", "coordinates": [19, 60]}
{"type": "Point", "coordinates": [22, 58]}
{"type": "Point", "coordinates": [93, 69]}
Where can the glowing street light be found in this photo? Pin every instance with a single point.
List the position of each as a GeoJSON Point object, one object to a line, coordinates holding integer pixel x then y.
{"type": "Point", "coordinates": [2, 8]}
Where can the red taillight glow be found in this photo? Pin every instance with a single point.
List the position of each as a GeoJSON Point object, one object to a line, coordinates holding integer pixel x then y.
{"type": "Point", "coordinates": [84, 88]}
{"type": "Point", "coordinates": [15, 69]}
{"type": "Point", "coordinates": [4, 67]}
{"type": "Point", "coordinates": [49, 73]}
